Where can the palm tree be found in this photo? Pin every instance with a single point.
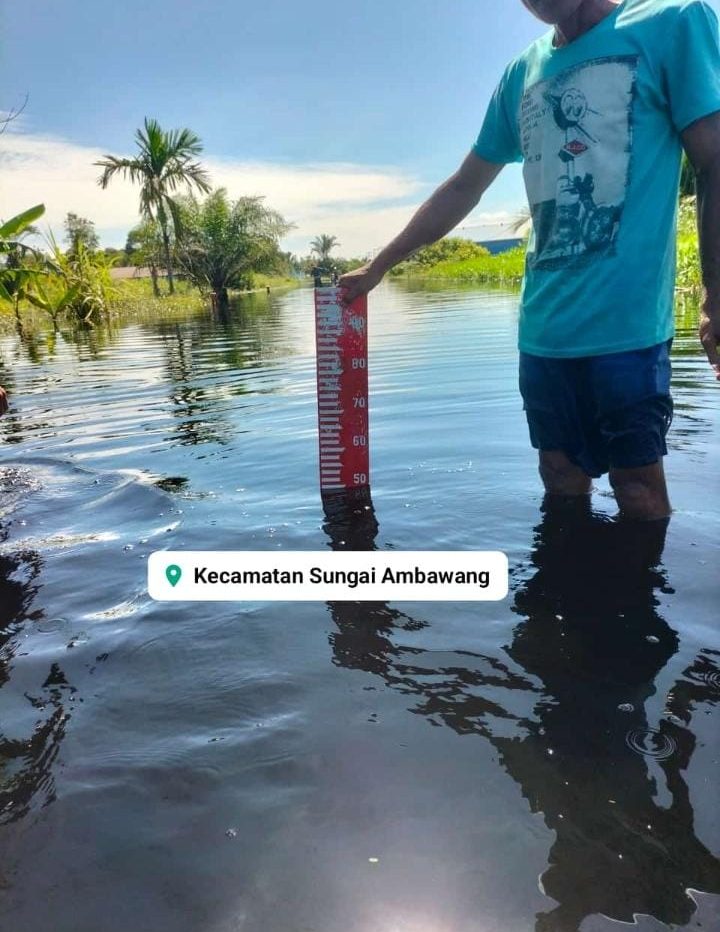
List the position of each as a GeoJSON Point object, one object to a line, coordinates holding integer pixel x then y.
{"type": "Point", "coordinates": [521, 224]}
{"type": "Point", "coordinates": [224, 242]}
{"type": "Point", "coordinates": [162, 165]}
{"type": "Point", "coordinates": [322, 246]}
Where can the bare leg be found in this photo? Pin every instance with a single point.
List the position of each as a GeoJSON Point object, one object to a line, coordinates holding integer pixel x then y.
{"type": "Point", "coordinates": [560, 476]}
{"type": "Point", "coordinates": [641, 493]}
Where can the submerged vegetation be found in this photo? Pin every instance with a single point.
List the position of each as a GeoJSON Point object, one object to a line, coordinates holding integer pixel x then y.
{"type": "Point", "coordinates": [224, 242]}
{"type": "Point", "coordinates": [55, 282]}
{"type": "Point", "coordinates": [22, 265]}
{"type": "Point", "coordinates": [134, 296]}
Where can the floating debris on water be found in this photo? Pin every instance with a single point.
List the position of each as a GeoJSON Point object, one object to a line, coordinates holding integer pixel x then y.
{"type": "Point", "coordinates": [81, 638]}
{"type": "Point", "coordinates": [675, 719]}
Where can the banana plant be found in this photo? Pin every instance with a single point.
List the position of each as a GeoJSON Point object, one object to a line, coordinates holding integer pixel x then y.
{"type": "Point", "coordinates": [17, 277]}
{"type": "Point", "coordinates": [15, 227]}
{"type": "Point", "coordinates": [16, 285]}
{"type": "Point", "coordinates": [53, 305]}
{"type": "Point", "coordinates": [85, 279]}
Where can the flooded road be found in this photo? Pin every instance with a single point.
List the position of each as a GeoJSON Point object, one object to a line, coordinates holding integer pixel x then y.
{"type": "Point", "coordinates": [549, 763]}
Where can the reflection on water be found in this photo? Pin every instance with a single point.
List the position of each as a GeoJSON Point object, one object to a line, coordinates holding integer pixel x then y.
{"type": "Point", "coordinates": [26, 764]}
{"type": "Point", "coordinates": [544, 764]}
{"type": "Point", "coordinates": [592, 634]}
{"type": "Point", "coordinates": [592, 637]}
{"type": "Point", "coordinates": [362, 639]}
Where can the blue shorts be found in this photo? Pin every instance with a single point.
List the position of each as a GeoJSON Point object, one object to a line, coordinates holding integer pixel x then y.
{"type": "Point", "coordinates": [603, 412]}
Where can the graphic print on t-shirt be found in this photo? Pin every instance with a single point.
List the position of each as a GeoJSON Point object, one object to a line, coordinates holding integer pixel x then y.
{"type": "Point", "coordinates": [576, 134]}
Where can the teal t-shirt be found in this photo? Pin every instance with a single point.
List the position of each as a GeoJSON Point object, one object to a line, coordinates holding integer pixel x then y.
{"type": "Point", "coordinates": [597, 125]}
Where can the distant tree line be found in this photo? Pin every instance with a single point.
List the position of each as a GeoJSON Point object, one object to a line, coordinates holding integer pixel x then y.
{"type": "Point", "coordinates": [215, 243]}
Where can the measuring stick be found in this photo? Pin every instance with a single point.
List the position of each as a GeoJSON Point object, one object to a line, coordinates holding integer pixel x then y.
{"type": "Point", "coordinates": [342, 390]}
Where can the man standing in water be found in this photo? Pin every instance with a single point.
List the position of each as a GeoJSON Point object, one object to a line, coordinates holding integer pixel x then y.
{"type": "Point", "coordinates": [3, 401]}
{"type": "Point", "coordinates": [598, 110]}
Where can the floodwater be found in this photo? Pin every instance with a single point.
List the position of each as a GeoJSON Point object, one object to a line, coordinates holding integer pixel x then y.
{"type": "Point", "coordinates": [549, 763]}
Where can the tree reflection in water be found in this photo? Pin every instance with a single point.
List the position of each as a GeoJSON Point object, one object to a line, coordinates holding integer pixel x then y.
{"type": "Point", "coordinates": [26, 764]}
{"type": "Point", "coordinates": [586, 653]}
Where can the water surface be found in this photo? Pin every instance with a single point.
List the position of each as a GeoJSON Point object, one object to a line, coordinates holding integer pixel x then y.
{"type": "Point", "coordinates": [548, 763]}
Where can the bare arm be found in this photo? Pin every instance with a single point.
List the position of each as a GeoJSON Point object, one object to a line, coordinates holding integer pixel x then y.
{"type": "Point", "coordinates": [702, 144]}
{"type": "Point", "coordinates": [442, 211]}
{"type": "Point", "coordinates": [3, 401]}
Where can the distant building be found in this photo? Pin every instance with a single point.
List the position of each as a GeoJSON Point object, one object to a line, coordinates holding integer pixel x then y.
{"type": "Point", "coordinates": [132, 271]}
{"type": "Point", "coordinates": [495, 246]}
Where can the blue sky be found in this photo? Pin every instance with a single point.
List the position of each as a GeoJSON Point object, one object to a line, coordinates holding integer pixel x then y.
{"type": "Point", "coordinates": [340, 113]}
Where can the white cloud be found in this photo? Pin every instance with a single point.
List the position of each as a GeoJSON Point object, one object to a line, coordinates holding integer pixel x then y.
{"type": "Point", "coordinates": [293, 189]}
{"type": "Point", "coordinates": [362, 205]}
{"type": "Point", "coordinates": [358, 204]}
{"type": "Point", "coordinates": [35, 168]}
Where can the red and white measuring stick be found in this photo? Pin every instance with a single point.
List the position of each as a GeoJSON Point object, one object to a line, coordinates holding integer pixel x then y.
{"type": "Point", "coordinates": [342, 390]}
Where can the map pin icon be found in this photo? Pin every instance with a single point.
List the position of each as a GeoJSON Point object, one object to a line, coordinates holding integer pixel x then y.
{"type": "Point", "coordinates": [173, 573]}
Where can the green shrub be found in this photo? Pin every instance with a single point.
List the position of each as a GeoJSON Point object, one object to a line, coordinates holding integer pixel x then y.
{"type": "Point", "coordinates": [688, 252]}
{"type": "Point", "coordinates": [450, 249]}
{"type": "Point", "coordinates": [504, 268]}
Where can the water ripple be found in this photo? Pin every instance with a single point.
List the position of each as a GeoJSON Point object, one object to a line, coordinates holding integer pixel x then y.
{"type": "Point", "coordinates": [651, 742]}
